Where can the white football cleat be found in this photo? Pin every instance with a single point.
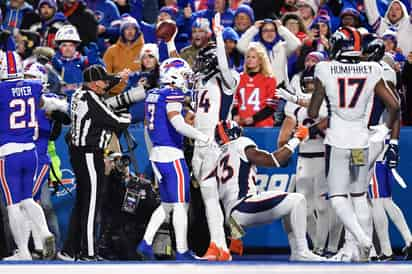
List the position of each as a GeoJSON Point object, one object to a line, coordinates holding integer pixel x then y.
{"type": "Point", "coordinates": [18, 256]}
{"type": "Point", "coordinates": [306, 256]}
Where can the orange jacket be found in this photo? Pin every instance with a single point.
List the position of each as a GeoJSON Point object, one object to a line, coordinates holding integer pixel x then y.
{"type": "Point", "coordinates": [121, 56]}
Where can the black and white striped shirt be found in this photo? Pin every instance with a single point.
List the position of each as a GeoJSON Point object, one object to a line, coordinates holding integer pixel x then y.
{"type": "Point", "coordinates": [93, 121]}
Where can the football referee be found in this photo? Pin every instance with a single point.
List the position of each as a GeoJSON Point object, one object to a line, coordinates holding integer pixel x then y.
{"type": "Point", "coordinates": [92, 125]}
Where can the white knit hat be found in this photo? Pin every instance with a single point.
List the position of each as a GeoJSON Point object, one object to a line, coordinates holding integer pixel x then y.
{"type": "Point", "coordinates": [151, 49]}
{"type": "Point", "coordinates": [310, 3]}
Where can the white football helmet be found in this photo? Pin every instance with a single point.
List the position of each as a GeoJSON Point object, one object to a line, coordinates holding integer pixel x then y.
{"type": "Point", "coordinates": [177, 72]}
{"type": "Point", "coordinates": [67, 33]}
{"type": "Point", "coordinates": [37, 71]}
{"type": "Point", "coordinates": [11, 66]}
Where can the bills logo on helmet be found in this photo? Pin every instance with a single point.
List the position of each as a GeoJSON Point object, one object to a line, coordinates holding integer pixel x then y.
{"type": "Point", "coordinates": [173, 64]}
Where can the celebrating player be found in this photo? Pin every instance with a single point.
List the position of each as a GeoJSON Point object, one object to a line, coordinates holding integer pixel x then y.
{"type": "Point", "coordinates": [215, 86]}
{"type": "Point", "coordinates": [236, 174]}
{"type": "Point", "coordinates": [348, 85]}
{"type": "Point", "coordinates": [166, 127]}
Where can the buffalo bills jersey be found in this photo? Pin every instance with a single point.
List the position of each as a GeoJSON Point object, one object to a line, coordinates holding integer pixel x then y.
{"type": "Point", "coordinates": [161, 131]}
{"type": "Point", "coordinates": [19, 101]}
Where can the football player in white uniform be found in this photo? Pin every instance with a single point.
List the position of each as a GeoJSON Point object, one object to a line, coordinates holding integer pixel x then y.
{"type": "Point", "coordinates": [214, 87]}
{"type": "Point", "coordinates": [243, 204]}
{"type": "Point", "coordinates": [348, 84]}
{"type": "Point", "coordinates": [310, 168]}
{"type": "Point", "coordinates": [383, 159]}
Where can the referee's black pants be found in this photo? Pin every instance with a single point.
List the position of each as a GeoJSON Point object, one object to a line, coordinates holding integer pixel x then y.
{"type": "Point", "coordinates": [88, 167]}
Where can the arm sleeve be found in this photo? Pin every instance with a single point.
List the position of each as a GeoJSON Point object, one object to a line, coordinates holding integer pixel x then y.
{"type": "Point", "coordinates": [180, 125]}
{"type": "Point", "coordinates": [228, 79]}
{"type": "Point", "coordinates": [125, 99]}
{"type": "Point", "coordinates": [263, 114]}
{"type": "Point", "coordinates": [246, 38]}
{"type": "Point", "coordinates": [292, 42]}
{"type": "Point", "coordinates": [372, 13]}
{"type": "Point", "coordinates": [105, 116]}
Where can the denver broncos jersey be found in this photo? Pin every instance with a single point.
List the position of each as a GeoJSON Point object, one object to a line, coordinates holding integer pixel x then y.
{"type": "Point", "coordinates": [235, 174]}
{"type": "Point", "coordinates": [378, 107]}
{"type": "Point", "coordinates": [161, 131]}
{"type": "Point", "coordinates": [253, 94]}
{"type": "Point", "coordinates": [213, 104]}
{"type": "Point", "coordinates": [300, 115]}
{"type": "Point", "coordinates": [19, 102]}
{"type": "Point", "coordinates": [349, 91]}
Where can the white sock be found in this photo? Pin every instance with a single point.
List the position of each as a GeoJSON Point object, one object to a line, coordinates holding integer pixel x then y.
{"type": "Point", "coordinates": [38, 243]}
{"type": "Point", "coordinates": [156, 220]}
{"type": "Point", "coordinates": [19, 228]}
{"type": "Point", "coordinates": [363, 213]}
{"type": "Point", "coordinates": [36, 215]}
{"type": "Point", "coordinates": [335, 230]}
{"type": "Point", "coordinates": [214, 213]}
{"type": "Point", "coordinates": [298, 225]}
{"type": "Point", "coordinates": [180, 226]}
{"type": "Point", "coordinates": [396, 215]}
{"type": "Point", "coordinates": [322, 223]}
{"type": "Point", "coordinates": [345, 212]}
{"type": "Point", "coordinates": [311, 227]}
{"type": "Point", "coordinates": [380, 221]}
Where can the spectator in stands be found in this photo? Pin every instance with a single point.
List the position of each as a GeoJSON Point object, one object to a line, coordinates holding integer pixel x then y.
{"type": "Point", "coordinates": [48, 22]}
{"type": "Point", "coordinates": [68, 62]}
{"type": "Point", "coordinates": [295, 25]}
{"type": "Point", "coordinates": [201, 34]}
{"type": "Point", "coordinates": [391, 46]}
{"type": "Point", "coordinates": [214, 6]}
{"type": "Point", "coordinates": [83, 19]}
{"type": "Point", "coordinates": [350, 18]}
{"type": "Point", "coordinates": [106, 12]}
{"type": "Point", "coordinates": [148, 77]}
{"type": "Point", "coordinates": [244, 19]}
{"type": "Point", "coordinates": [255, 101]}
{"type": "Point", "coordinates": [266, 8]}
{"type": "Point", "coordinates": [288, 6]}
{"type": "Point", "coordinates": [407, 80]}
{"type": "Point", "coordinates": [396, 18]}
{"type": "Point", "coordinates": [44, 56]}
{"type": "Point", "coordinates": [317, 40]}
{"type": "Point", "coordinates": [17, 14]}
{"type": "Point", "coordinates": [278, 41]}
{"type": "Point", "coordinates": [236, 59]}
{"type": "Point", "coordinates": [125, 53]}
{"type": "Point", "coordinates": [307, 10]}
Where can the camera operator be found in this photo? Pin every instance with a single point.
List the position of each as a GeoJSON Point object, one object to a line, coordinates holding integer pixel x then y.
{"type": "Point", "coordinates": [128, 204]}
{"type": "Point", "coordinates": [92, 125]}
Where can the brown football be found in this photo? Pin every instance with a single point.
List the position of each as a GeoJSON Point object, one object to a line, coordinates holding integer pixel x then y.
{"type": "Point", "coordinates": [165, 30]}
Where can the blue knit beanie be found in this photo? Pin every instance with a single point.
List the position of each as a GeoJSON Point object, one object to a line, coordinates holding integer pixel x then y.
{"type": "Point", "coordinates": [246, 9]}
{"type": "Point", "coordinates": [230, 34]}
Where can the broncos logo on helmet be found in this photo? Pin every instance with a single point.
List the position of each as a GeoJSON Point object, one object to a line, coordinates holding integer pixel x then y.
{"type": "Point", "coordinates": [373, 48]}
{"type": "Point", "coordinates": [346, 45]}
{"type": "Point", "coordinates": [227, 131]}
{"type": "Point", "coordinates": [206, 62]}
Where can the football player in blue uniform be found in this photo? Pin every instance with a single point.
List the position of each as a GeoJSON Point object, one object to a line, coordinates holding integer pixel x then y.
{"type": "Point", "coordinates": [166, 126]}
{"type": "Point", "coordinates": [19, 101]}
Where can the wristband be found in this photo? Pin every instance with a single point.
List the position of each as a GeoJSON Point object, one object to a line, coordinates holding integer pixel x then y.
{"type": "Point", "coordinates": [292, 144]}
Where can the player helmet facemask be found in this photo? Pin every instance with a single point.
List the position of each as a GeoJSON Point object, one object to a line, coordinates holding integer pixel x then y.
{"type": "Point", "coordinates": [206, 63]}
{"type": "Point", "coordinates": [346, 45]}
{"type": "Point", "coordinates": [227, 131]}
{"type": "Point", "coordinates": [176, 72]}
{"type": "Point", "coordinates": [307, 80]}
{"type": "Point", "coordinates": [373, 48]}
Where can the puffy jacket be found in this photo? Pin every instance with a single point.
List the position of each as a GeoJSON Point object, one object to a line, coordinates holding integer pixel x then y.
{"type": "Point", "coordinates": [279, 53]}
{"type": "Point", "coordinates": [403, 27]}
{"type": "Point", "coordinates": [13, 18]}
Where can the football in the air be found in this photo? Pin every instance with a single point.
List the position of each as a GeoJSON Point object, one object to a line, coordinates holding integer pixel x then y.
{"type": "Point", "coordinates": [165, 30]}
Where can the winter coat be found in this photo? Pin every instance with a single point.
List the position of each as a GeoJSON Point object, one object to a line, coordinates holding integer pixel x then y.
{"type": "Point", "coordinates": [121, 56]}
{"type": "Point", "coordinates": [403, 27]}
{"type": "Point", "coordinates": [279, 53]}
